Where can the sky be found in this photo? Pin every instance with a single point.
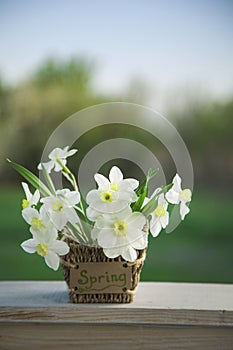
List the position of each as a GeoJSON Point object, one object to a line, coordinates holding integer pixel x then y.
{"type": "Point", "coordinates": [167, 44]}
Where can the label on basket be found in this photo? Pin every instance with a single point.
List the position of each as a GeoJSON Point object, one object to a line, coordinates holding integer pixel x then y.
{"type": "Point", "coordinates": [103, 277]}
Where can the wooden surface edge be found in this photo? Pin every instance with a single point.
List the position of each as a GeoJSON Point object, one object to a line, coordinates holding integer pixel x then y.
{"type": "Point", "coordinates": [101, 315]}
{"type": "Point", "coordinates": [119, 337]}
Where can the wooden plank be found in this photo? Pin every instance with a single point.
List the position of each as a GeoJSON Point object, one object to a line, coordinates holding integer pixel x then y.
{"type": "Point", "coordinates": [120, 337]}
{"type": "Point", "coordinates": [35, 315]}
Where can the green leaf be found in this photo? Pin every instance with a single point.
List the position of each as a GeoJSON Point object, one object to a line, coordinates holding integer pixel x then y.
{"type": "Point", "coordinates": [150, 175]}
{"type": "Point", "coordinates": [152, 204]}
{"type": "Point", "coordinates": [30, 177]}
{"type": "Point", "coordinates": [142, 190]}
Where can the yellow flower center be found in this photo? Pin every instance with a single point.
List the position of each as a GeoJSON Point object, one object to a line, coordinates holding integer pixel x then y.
{"type": "Point", "coordinates": [185, 195]}
{"type": "Point", "coordinates": [42, 249]}
{"type": "Point", "coordinates": [57, 205]}
{"type": "Point", "coordinates": [25, 203]}
{"type": "Point", "coordinates": [121, 228]}
{"type": "Point", "coordinates": [160, 210]}
{"type": "Point", "coordinates": [114, 187]}
{"type": "Point", "coordinates": [37, 223]}
{"type": "Point", "coordinates": [106, 196]}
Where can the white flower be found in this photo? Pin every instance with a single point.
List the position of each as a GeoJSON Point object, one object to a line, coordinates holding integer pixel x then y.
{"type": "Point", "coordinates": [160, 216]}
{"type": "Point", "coordinates": [57, 154]}
{"type": "Point", "coordinates": [38, 220]}
{"type": "Point", "coordinates": [121, 234]}
{"type": "Point", "coordinates": [46, 245]}
{"type": "Point", "coordinates": [111, 196]}
{"type": "Point", "coordinates": [31, 199]}
{"type": "Point", "coordinates": [176, 195]}
{"type": "Point", "coordinates": [60, 208]}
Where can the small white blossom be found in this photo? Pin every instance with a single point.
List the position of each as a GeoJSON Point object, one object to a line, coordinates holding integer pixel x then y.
{"type": "Point", "coordinates": [57, 154]}
{"type": "Point", "coordinates": [46, 245]}
{"type": "Point", "coordinates": [121, 234]}
{"type": "Point", "coordinates": [60, 208]}
{"type": "Point", "coordinates": [111, 196]}
{"type": "Point", "coordinates": [31, 199]}
{"type": "Point", "coordinates": [38, 220]}
{"type": "Point", "coordinates": [176, 195]}
{"type": "Point", "coordinates": [160, 216]}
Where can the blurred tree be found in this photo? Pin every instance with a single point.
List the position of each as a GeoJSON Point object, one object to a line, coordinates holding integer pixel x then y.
{"type": "Point", "coordinates": [207, 130]}
{"type": "Point", "coordinates": [76, 72]}
{"type": "Point", "coordinates": [33, 109]}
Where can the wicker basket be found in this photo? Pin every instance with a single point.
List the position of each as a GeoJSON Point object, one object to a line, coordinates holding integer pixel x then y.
{"type": "Point", "coordinates": [80, 253]}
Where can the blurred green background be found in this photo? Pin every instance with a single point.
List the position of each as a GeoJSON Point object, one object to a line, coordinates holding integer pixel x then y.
{"type": "Point", "coordinates": [34, 104]}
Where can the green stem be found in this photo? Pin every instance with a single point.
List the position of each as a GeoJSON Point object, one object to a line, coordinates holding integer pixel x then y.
{"type": "Point", "coordinates": [73, 182]}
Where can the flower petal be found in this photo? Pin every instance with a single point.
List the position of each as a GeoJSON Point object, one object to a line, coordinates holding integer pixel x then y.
{"type": "Point", "coordinates": [92, 197]}
{"type": "Point", "coordinates": [161, 199]}
{"type": "Point", "coordinates": [49, 235]}
{"type": "Point", "coordinates": [59, 220]}
{"type": "Point", "coordinates": [107, 238]}
{"type": "Point", "coordinates": [56, 153]}
{"type": "Point", "coordinates": [60, 247]}
{"type": "Point", "coordinates": [155, 227]}
{"type": "Point", "coordinates": [113, 207]}
{"type": "Point", "coordinates": [128, 196]}
{"type": "Point", "coordinates": [71, 215]}
{"type": "Point", "coordinates": [135, 234]}
{"type": "Point", "coordinates": [136, 220]}
{"type": "Point", "coordinates": [27, 191]}
{"type": "Point", "coordinates": [35, 198]}
{"type": "Point", "coordinates": [115, 175]}
{"type": "Point", "coordinates": [58, 167]}
{"type": "Point", "coordinates": [29, 246]}
{"type": "Point", "coordinates": [52, 260]}
{"type": "Point", "coordinates": [29, 213]}
{"type": "Point", "coordinates": [184, 210]}
{"type": "Point", "coordinates": [129, 254]}
{"type": "Point", "coordinates": [102, 223]}
{"type": "Point", "coordinates": [172, 196]}
{"type": "Point", "coordinates": [111, 253]}
{"type": "Point", "coordinates": [73, 197]}
{"type": "Point", "coordinates": [71, 152]}
{"type": "Point", "coordinates": [102, 182]}
{"type": "Point", "coordinates": [176, 183]}
{"type": "Point", "coordinates": [140, 243]}
{"type": "Point", "coordinates": [48, 166]}
{"type": "Point", "coordinates": [130, 183]}
{"type": "Point", "coordinates": [124, 214]}
{"type": "Point", "coordinates": [92, 214]}
{"type": "Point", "coordinates": [164, 220]}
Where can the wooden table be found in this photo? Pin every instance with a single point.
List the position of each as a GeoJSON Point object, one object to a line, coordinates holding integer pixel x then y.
{"type": "Point", "coordinates": [38, 315]}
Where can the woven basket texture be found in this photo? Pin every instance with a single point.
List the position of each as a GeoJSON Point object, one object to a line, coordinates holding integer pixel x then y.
{"type": "Point", "coordinates": [87, 253]}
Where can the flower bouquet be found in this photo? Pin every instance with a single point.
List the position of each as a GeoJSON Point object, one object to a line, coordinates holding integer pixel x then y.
{"type": "Point", "coordinates": [101, 242]}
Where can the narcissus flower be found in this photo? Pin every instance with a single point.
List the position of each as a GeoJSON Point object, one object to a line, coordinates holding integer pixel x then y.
{"type": "Point", "coordinates": [57, 154]}
{"type": "Point", "coordinates": [176, 195]}
{"type": "Point", "coordinates": [121, 234]}
{"type": "Point", "coordinates": [31, 199]}
{"type": "Point", "coordinates": [111, 196]}
{"type": "Point", "coordinates": [60, 208]}
{"type": "Point", "coordinates": [46, 245]}
{"type": "Point", "coordinates": [38, 220]}
{"type": "Point", "coordinates": [160, 216]}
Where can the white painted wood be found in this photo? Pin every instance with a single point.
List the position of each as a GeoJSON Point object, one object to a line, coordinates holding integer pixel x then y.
{"type": "Point", "coordinates": [149, 294]}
